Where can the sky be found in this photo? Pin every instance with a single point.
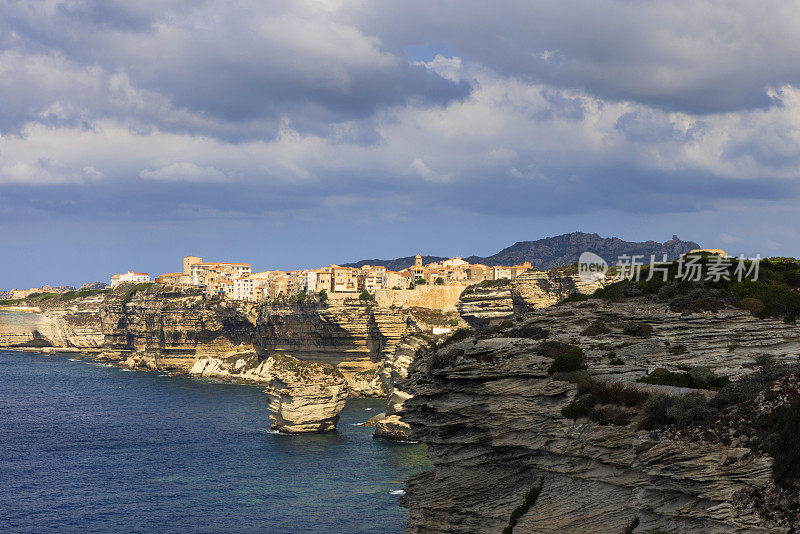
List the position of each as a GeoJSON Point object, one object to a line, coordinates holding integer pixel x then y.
{"type": "Point", "coordinates": [294, 134]}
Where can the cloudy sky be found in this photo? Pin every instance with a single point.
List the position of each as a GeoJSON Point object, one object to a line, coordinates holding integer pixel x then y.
{"type": "Point", "coordinates": [300, 133]}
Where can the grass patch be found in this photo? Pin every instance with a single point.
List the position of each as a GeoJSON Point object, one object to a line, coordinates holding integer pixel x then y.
{"type": "Point", "coordinates": [82, 293]}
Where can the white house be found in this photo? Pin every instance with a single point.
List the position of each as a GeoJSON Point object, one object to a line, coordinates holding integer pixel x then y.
{"type": "Point", "coordinates": [244, 289]}
{"type": "Point", "coordinates": [130, 276]}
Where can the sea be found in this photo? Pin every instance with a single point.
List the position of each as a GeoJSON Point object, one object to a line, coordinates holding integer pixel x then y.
{"type": "Point", "coordinates": [86, 447]}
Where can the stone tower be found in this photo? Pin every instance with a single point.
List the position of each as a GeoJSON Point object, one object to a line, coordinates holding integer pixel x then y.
{"type": "Point", "coordinates": [417, 261]}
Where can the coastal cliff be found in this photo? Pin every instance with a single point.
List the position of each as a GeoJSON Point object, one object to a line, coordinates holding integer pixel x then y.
{"type": "Point", "coordinates": [499, 421]}
{"type": "Point", "coordinates": [310, 356]}
{"type": "Point", "coordinates": [162, 327]}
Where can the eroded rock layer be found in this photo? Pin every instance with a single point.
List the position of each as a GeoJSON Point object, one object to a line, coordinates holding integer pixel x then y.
{"type": "Point", "coordinates": [490, 414]}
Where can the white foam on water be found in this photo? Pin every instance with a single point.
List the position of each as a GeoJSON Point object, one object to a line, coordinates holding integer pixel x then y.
{"type": "Point", "coordinates": [397, 492]}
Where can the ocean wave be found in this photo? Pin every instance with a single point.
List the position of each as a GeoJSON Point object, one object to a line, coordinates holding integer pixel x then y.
{"type": "Point", "coordinates": [397, 492]}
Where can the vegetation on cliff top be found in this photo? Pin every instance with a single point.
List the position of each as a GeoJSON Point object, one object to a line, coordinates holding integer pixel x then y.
{"type": "Point", "coordinates": [776, 292]}
{"type": "Point", "coordinates": [696, 378]}
{"type": "Point", "coordinates": [39, 298]}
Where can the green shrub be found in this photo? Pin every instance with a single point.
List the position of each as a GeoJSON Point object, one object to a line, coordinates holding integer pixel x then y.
{"type": "Point", "coordinates": [529, 332]}
{"type": "Point", "coordinates": [495, 283]}
{"type": "Point", "coordinates": [657, 405]}
{"type": "Point", "coordinates": [752, 305]}
{"type": "Point", "coordinates": [700, 378]}
{"type": "Point", "coordinates": [632, 526]}
{"type": "Point", "coordinates": [439, 281]}
{"type": "Point", "coordinates": [551, 348]}
{"type": "Point", "coordinates": [617, 361]}
{"type": "Point", "coordinates": [366, 296]}
{"type": "Point", "coordinates": [783, 443]}
{"type": "Point", "coordinates": [528, 501]}
{"type": "Point", "coordinates": [685, 403]}
{"type": "Point", "coordinates": [597, 328]}
{"type": "Point", "coordinates": [637, 329]}
{"type": "Point", "coordinates": [576, 409]}
{"type": "Point", "coordinates": [617, 393]}
{"type": "Point", "coordinates": [323, 295]}
{"type": "Point", "coordinates": [678, 349]}
{"type": "Point", "coordinates": [453, 322]}
{"type": "Point", "coordinates": [572, 360]}
{"type": "Point", "coordinates": [576, 297]}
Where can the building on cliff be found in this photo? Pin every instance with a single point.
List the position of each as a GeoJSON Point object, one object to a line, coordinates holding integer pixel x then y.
{"type": "Point", "coordinates": [130, 276]}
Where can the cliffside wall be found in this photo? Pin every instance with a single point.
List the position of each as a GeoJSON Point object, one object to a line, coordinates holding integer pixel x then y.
{"type": "Point", "coordinates": [433, 297]}
{"type": "Point", "coordinates": [490, 411]}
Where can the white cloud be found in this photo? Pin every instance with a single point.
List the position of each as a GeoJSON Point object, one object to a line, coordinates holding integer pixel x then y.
{"type": "Point", "coordinates": [183, 172]}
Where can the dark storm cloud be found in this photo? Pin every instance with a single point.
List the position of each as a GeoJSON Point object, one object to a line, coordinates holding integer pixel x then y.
{"type": "Point", "coordinates": [699, 57]}
{"type": "Point", "coordinates": [218, 66]}
{"type": "Point", "coordinates": [173, 109]}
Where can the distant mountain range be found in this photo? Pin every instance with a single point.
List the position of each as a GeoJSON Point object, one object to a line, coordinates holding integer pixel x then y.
{"type": "Point", "coordinates": [556, 251]}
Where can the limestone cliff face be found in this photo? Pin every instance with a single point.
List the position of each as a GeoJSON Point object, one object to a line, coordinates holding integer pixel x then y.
{"type": "Point", "coordinates": [491, 416]}
{"type": "Point", "coordinates": [348, 334]}
{"type": "Point", "coordinates": [305, 396]}
{"type": "Point", "coordinates": [540, 289]}
{"type": "Point", "coordinates": [170, 329]}
{"type": "Point", "coordinates": [392, 372]}
{"type": "Point", "coordinates": [479, 306]}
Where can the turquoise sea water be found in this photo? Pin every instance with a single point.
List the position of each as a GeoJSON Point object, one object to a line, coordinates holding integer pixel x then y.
{"type": "Point", "coordinates": [89, 448]}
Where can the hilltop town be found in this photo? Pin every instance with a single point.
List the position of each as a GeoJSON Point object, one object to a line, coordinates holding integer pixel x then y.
{"type": "Point", "coordinates": [237, 281]}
